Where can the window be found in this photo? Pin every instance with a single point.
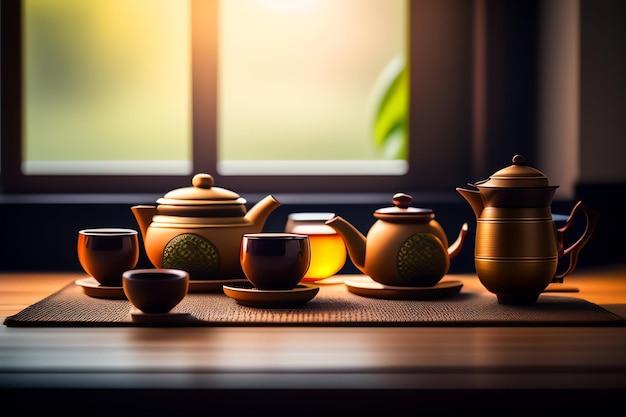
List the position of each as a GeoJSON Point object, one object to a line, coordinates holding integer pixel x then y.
{"type": "Point", "coordinates": [106, 87]}
{"type": "Point", "coordinates": [198, 86]}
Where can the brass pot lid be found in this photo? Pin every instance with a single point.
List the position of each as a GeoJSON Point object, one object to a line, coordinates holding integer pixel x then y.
{"type": "Point", "coordinates": [203, 199]}
{"type": "Point", "coordinates": [517, 175]}
{"type": "Point", "coordinates": [403, 212]}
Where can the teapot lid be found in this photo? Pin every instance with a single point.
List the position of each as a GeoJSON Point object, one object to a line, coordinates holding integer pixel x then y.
{"type": "Point", "coordinates": [402, 212]}
{"type": "Point", "coordinates": [517, 175]}
{"type": "Point", "coordinates": [202, 199]}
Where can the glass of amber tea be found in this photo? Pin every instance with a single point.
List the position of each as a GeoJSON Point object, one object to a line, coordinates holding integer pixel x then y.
{"type": "Point", "coordinates": [328, 251]}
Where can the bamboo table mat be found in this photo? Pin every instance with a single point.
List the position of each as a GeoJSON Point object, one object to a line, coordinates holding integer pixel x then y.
{"type": "Point", "coordinates": [334, 305]}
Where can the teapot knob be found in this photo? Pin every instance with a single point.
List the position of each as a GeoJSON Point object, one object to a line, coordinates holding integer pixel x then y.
{"type": "Point", "coordinates": [518, 160]}
{"type": "Point", "coordinates": [203, 181]}
{"type": "Point", "coordinates": [402, 200]}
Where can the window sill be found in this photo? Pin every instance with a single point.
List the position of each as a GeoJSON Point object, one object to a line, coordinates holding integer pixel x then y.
{"type": "Point", "coordinates": [317, 199]}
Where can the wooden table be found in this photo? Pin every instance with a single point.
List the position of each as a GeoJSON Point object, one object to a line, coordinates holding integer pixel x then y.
{"type": "Point", "coordinates": [342, 369]}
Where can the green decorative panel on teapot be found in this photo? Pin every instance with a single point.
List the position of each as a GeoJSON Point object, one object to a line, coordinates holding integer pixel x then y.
{"type": "Point", "coordinates": [192, 253]}
{"type": "Point", "coordinates": [422, 260]}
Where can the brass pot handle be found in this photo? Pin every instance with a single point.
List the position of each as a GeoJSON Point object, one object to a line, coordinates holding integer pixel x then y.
{"type": "Point", "coordinates": [592, 220]}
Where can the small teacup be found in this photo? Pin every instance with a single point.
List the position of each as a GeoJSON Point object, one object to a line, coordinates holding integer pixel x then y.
{"type": "Point", "coordinates": [105, 253]}
{"type": "Point", "coordinates": [155, 290]}
{"type": "Point", "coordinates": [275, 261]}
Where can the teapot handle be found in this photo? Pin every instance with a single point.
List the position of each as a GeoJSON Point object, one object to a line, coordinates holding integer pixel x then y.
{"type": "Point", "coordinates": [574, 249]}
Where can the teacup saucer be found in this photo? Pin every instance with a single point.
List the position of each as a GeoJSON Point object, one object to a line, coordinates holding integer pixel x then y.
{"type": "Point", "coordinates": [93, 288]}
{"type": "Point", "coordinates": [336, 279]}
{"type": "Point", "coordinates": [367, 287]}
{"type": "Point", "coordinates": [246, 294]}
{"type": "Point", "coordinates": [203, 286]}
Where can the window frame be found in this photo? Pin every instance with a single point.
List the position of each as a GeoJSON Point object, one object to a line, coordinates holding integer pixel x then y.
{"type": "Point", "coordinates": [443, 147]}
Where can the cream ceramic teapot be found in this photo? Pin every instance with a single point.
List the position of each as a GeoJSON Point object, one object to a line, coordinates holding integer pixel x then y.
{"type": "Point", "coordinates": [405, 247]}
{"type": "Point", "coordinates": [199, 229]}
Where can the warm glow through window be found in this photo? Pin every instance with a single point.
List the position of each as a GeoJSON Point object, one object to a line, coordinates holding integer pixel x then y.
{"type": "Point", "coordinates": [107, 87]}
{"type": "Point", "coordinates": [303, 86]}
{"type": "Point", "coordinates": [312, 86]}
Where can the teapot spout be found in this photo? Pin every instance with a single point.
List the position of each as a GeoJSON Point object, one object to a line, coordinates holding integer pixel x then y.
{"type": "Point", "coordinates": [474, 199]}
{"type": "Point", "coordinates": [455, 248]}
{"type": "Point", "coordinates": [259, 213]}
{"type": "Point", "coordinates": [143, 216]}
{"type": "Point", "coordinates": [355, 241]}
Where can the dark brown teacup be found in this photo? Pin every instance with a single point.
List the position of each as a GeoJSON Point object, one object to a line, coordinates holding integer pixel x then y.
{"type": "Point", "coordinates": [275, 261]}
{"type": "Point", "coordinates": [105, 253]}
{"type": "Point", "coordinates": [155, 290]}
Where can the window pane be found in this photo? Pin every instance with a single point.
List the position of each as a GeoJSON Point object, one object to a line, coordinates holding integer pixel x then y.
{"type": "Point", "coordinates": [309, 87]}
{"type": "Point", "coordinates": [107, 87]}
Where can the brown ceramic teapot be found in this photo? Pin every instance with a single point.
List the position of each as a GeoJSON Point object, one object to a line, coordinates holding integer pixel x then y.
{"type": "Point", "coordinates": [405, 247]}
{"type": "Point", "coordinates": [518, 246]}
{"type": "Point", "coordinates": [199, 229]}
